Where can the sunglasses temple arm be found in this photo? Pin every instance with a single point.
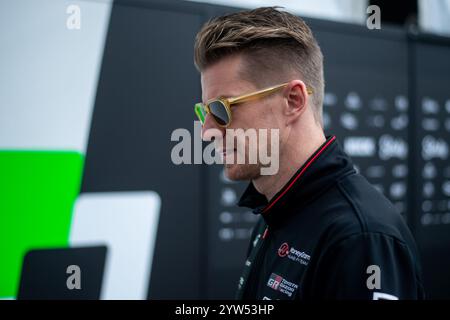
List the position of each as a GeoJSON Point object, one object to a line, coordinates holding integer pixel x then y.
{"type": "Point", "coordinates": [255, 95]}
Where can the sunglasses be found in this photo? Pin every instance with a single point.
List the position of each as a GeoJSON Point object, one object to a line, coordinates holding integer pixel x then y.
{"type": "Point", "coordinates": [220, 108]}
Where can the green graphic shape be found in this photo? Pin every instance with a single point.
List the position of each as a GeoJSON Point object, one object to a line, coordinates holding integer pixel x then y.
{"type": "Point", "coordinates": [37, 193]}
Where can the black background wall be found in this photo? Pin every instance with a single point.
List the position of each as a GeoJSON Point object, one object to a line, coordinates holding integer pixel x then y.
{"type": "Point", "coordinates": [430, 194]}
{"type": "Point", "coordinates": [376, 81]}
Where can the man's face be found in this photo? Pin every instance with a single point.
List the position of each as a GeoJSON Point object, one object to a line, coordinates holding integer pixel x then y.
{"type": "Point", "coordinates": [223, 79]}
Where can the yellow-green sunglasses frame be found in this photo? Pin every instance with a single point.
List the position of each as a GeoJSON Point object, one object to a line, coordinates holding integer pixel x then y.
{"type": "Point", "coordinates": [201, 110]}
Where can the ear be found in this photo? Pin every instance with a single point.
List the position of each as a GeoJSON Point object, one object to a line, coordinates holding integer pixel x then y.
{"type": "Point", "coordinates": [296, 100]}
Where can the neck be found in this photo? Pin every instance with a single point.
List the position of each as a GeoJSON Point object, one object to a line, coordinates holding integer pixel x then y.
{"type": "Point", "coordinates": [298, 149]}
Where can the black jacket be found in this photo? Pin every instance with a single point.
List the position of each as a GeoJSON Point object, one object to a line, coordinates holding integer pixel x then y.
{"type": "Point", "coordinates": [328, 234]}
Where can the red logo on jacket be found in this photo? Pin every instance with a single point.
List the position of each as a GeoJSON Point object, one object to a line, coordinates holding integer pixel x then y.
{"type": "Point", "coordinates": [283, 250]}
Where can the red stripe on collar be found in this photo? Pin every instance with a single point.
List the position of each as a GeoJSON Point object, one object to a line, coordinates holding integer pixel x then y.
{"type": "Point", "coordinates": [272, 203]}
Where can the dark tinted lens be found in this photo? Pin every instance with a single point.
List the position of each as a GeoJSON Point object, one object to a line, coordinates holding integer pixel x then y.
{"type": "Point", "coordinates": [219, 112]}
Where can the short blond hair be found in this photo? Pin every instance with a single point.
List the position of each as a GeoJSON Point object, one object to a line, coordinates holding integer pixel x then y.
{"type": "Point", "coordinates": [274, 43]}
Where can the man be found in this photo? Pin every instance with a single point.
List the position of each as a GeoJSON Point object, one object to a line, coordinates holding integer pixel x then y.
{"type": "Point", "coordinates": [324, 232]}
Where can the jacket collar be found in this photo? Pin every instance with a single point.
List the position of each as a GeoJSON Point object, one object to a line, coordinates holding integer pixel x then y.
{"type": "Point", "coordinates": [323, 168]}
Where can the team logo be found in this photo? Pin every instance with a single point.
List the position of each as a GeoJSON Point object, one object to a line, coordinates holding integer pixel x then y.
{"type": "Point", "coordinates": [278, 283]}
{"type": "Point", "coordinates": [293, 254]}
{"type": "Point", "coordinates": [283, 251]}
{"type": "Point", "coordinates": [274, 281]}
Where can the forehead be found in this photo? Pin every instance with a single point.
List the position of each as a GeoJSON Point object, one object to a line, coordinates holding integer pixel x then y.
{"type": "Point", "coordinates": [224, 78]}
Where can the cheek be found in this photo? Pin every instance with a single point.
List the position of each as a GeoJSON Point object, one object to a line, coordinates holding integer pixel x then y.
{"type": "Point", "coordinates": [261, 116]}
{"type": "Point", "coordinates": [243, 117]}
{"type": "Point", "coordinates": [269, 118]}
{"type": "Point", "coordinates": [277, 115]}
{"type": "Point", "coordinates": [256, 115]}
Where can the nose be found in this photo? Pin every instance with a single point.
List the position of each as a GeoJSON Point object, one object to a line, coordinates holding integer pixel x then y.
{"type": "Point", "coordinates": [211, 130]}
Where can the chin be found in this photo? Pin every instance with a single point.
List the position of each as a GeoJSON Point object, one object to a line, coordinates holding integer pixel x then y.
{"type": "Point", "coordinates": [241, 172]}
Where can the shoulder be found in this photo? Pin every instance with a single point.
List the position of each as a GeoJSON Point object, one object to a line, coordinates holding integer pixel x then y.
{"type": "Point", "coordinates": [354, 207]}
